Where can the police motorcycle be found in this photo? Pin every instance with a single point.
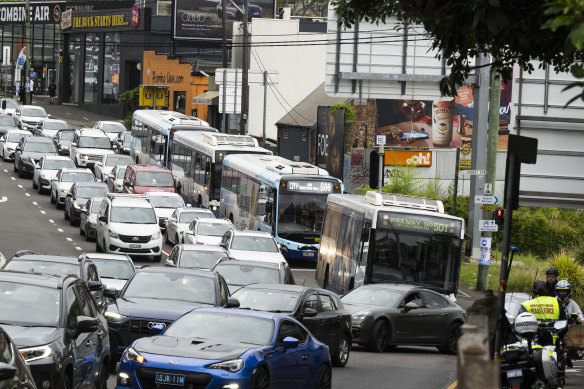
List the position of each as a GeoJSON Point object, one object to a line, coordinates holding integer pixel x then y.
{"type": "Point", "coordinates": [529, 364]}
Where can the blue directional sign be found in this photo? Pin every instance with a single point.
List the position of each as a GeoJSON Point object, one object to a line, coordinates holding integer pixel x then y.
{"type": "Point", "coordinates": [491, 200]}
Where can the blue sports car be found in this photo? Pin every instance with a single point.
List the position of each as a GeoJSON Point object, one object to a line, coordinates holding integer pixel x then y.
{"type": "Point", "coordinates": [227, 348]}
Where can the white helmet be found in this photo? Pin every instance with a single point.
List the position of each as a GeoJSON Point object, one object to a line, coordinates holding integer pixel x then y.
{"type": "Point", "coordinates": [525, 324]}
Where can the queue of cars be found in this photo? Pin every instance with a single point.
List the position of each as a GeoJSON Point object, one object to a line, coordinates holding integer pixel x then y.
{"type": "Point", "coordinates": [222, 312]}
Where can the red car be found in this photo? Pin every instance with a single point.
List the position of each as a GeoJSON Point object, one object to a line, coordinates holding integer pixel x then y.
{"type": "Point", "coordinates": [140, 179]}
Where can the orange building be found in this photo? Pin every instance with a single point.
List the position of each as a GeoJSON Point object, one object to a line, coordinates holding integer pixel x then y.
{"type": "Point", "coordinates": [182, 84]}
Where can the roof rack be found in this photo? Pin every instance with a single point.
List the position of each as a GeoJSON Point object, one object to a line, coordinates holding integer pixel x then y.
{"type": "Point", "coordinates": [390, 199]}
{"type": "Point", "coordinates": [112, 196]}
{"type": "Point", "coordinates": [285, 166]}
{"type": "Point", "coordinates": [225, 139]}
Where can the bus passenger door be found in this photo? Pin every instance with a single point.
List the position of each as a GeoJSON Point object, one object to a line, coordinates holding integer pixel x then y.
{"type": "Point", "coordinates": [266, 213]}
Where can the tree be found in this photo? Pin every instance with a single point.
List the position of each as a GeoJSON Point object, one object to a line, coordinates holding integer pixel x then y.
{"type": "Point", "coordinates": [513, 32]}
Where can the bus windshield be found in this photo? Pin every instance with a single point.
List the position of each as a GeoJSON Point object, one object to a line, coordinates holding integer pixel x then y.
{"type": "Point", "coordinates": [300, 215]}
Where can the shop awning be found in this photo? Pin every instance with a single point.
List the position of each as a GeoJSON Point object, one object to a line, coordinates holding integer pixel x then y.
{"type": "Point", "coordinates": [208, 98]}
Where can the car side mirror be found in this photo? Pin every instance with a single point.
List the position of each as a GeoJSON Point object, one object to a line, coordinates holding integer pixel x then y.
{"type": "Point", "coordinates": [94, 286]}
{"type": "Point", "coordinates": [172, 220]}
{"type": "Point", "coordinates": [290, 342]}
{"type": "Point", "coordinates": [158, 329]}
{"type": "Point", "coordinates": [18, 148]}
{"type": "Point", "coordinates": [7, 371]}
{"type": "Point", "coordinates": [111, 293]}
{"type": "Point", "coordinates": [284, 250]}
{"type": "Point", "coordinates": [127, 184]}
{"type": "Point", "coordinates": [169, 263]}
{"type": "Point", "coordinates": [232, 303]}
{"type": "Point", "coordinates": [73, 144]}
{"type": "Point", "coordinates": [411, 305]}
{"type": "Point", "coordinates": [309, 312]}
{"type": "Point", "coordinates": [103, 219]}
{"type": "Point", "coordinates": [114, 146]}
{"type": "Point", "coordinates": [86, 324]}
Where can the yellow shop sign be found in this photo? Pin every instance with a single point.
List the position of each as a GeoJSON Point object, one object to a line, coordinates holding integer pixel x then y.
{"type": "Point", "coordinates": [97, 21]}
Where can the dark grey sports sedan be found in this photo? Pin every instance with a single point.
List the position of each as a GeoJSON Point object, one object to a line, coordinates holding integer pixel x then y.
{"type": "Point", "coordinates": [388, 315]}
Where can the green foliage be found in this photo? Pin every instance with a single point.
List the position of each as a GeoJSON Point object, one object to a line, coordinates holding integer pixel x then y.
{"type": "Point", "coordinates": [349, 113]}
{"type": "Point", "coordinates": [571, 271]}
{"type": "Point", "coordinates": [132, 98]}
{"type": "Point", "coordinates": [403, 180]}
{"type": "Point", "coordinates": [579, 254]}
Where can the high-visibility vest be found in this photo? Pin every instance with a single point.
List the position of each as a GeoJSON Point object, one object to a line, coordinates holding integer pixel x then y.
{"type": "Point", "coordinates": [545, 308]}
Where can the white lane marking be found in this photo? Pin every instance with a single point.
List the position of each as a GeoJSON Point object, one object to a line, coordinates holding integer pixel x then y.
{"type": "Point", "coordinates": [60, 230]}
{"type": "Point", "coordinates": [13, 179]}
{"type": "Point", "coordinates": [34, 203]}
{"type": "Point", "coordinates": [461, 292]}
{"type": "Point", "coordinates": [69, 239]}
{"type": "Point", "coordinates": [78, 248]}
{"type": "Point", "coordinates": [20, 186]}
{"type": "Point", "coordinates": [2, 259]}
{"type": "Point", "coordinates": [43, 212]}
{"type": "Point", "coordinates": [27, 195]}
{"type": "Point", "coordinates": [3, 199]}
{"type": "Point", "coordinates": [51, 221]}
{"type": "Point", "coordinates": [5, 171]}
{"type": "Point", "coordinates": [85, 118]}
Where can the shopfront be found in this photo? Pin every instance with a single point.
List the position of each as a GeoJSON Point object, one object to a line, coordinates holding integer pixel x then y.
{"type": "Point", "coordinates": [179, 79]}
{"type": "Point", "coordinates": [46, 42]}
{"type": "Point", "coordinates": [102, 57]}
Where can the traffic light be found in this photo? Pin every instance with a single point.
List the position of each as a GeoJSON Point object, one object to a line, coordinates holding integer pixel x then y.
{"type": "Point", "coordinates": [374, 170]}
{"type": "Point", "coordinates": [499, 216]}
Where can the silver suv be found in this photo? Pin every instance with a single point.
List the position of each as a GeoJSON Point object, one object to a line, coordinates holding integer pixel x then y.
{"type": "Point", "coordinates": [88, 146]}
{"type": "Point", "coordinates": [127, 224]}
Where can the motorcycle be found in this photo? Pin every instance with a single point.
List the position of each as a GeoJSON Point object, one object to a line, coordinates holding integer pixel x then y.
{"type": "Point", "coordinates": [531, 362]}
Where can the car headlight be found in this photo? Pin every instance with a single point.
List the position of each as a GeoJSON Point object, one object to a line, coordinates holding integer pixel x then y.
{"type": "Point", "coordinates": [25, 126]}
{"type": "Point", "coordinates": [113, 234]}
{"type": "Point", "coordinates": [9, 149]}
{"type": "Point", "coordinates": [358, 317]}
{"type": "Point", "coordinates": [35, 353]}
{"type": "Point", "coordinates": [65, 147]}
{"type": "Point", "coordinates": [132, 355]}
{"type": "Point", "coordinates": [113, 316]}
{"type": "Point", "coordinates": [65, 191]}
{"type": "Point", "coordinates": [84, 156]}
{"type": "Point", "coordinates": [232, 366]}
{"type": "Point", "coordinates": [156, 236]}
{"type": "Point", "coordinates": [77, 206]}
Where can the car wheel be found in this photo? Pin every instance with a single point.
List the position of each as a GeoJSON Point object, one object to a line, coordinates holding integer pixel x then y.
{"type": "Point", "coordinates": [103, 375]}
{"type": "Point", "coordinates": [157, 258]}
{"type": "Point", "coordinates": [112, 367]}
{"type": "Point", "coordinates": [451, 341]}
{"type": "Point", "coordinates": [66, 214]}
{"type": "Point", "coordinates": [15, 168]}
{"type": "Point", "coordinates": [81, 232]}
{"type": "Point", "coordinates": [97, 246]}
{"type": "Point", "coordinates": [40, 189]}
{"type": "Point", "coordinates": [20, 172]}
{"type": "Point", "coordinates": [66, 382]}
{"type": "Point", "coordinates": [341, 356]}
{"type": "Point", "coordinates": [260, 379]}
{"type": "Point", "coordinates": [323, 378]}
{"type": "Point", "coordinates": [52, 198]}
{"type": "Point", "coordinates": [378, 338]}
{"type": "Point", "coordinates": [167, 240]}
{"type": "Point", "coordinates": [34, 186]}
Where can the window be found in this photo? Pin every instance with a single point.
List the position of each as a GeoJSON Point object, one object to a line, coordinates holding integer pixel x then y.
{"type": "Point", "coordinates": [312, 302]}
{"type": "Point", "coordinates": [92, 273]}
{"type": "Point", "coordinates": [223, 291]}
{"type": "Point", "coordinates": [73, 309]}
{"type": "Point", "coordinates": [85, 301]}
{"type": "Point", "coordinates": [288, 328]}
{"type": "Point", "coordinates": [111, 68]}
{"type": "Point", "coordinates": [328, 303]}
{"type": "Point", "coordinates": [413, 297]}
{"type": "Point", "coordinates": [5, 352]}
{"type": "Point", "coordinates": [433, 300]}
{"type": "Point", "coordinates": [92, 45]}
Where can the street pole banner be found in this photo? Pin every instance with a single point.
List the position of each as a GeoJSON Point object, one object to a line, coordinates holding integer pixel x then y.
{"type": "Point", "coordinates": [485, 250]}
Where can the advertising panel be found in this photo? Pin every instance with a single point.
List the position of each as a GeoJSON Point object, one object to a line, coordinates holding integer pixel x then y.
{"type": "Point", "coordinates": [330, 140]}
{"type": "Point", "coordinates": [441, 123]}
{"type": "Point", "coordinates": [407, 157]}
{"type": "Point", "coordinates": [40, 13]}
{"type": "Point", "coordinates": [201, 19]}
{"type": "Point", "coordinates": [106, 20]}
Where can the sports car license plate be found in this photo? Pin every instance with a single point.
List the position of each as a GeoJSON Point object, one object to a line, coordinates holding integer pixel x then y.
{"type": "Point", "coordinates": [170, 379]}
{"type": "Point", "coordinates": [305, 254]}
{"type": "Point", "coordinates": [514, 373]}
{"type": "Point", "coordinates": [135, 246]}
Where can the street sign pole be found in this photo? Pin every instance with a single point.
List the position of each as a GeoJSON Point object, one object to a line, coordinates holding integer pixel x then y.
{"type": "Point", "coordinates": [380, 139]}
{"type": "Point", "coordinates": [479, 145]}
{"type": "Point", "coordinates": [28, 53]}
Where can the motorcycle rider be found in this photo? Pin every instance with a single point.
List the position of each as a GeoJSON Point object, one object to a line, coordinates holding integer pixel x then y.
{"type": "Point", "coordinates": [564, 292]}
{"type": "Point", "coordinates": [545, 308]}
{"type": "Point", "coordinates": [551, 276]}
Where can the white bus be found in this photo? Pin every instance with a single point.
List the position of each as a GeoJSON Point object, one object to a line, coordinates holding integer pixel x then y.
{"type": "Point", "coordinates": [389, 238]}
{"type": "Point", "coordinates": [197, 162]}
{"type": "Point", "coordinates": [153, 132]}
{"type": "Point", "coordinates": [283, 197]}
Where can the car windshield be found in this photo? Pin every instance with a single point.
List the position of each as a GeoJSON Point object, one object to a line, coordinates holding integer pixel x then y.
{"type": "Point", "coordinates": [267, 299]}
{"type": "Point", "coordinates": [94, 142]}
{"type": "Point", "coordinates": [40, 147]}
{"type": "Point", "coordinates": [56, 164]}
{"type": "Point", "coordinates": [187, 217]}
{"type": "Point", "coordinates": [159, 179]}
{"type": "Point", "coordinates": [240, 275]}
{"type": "Point", "coordinates": [300, 215]}
{"type": "Point", "coordinates": [66, 135]}
{"type": "Point", "coordinates": [98, 191]}
{"type": "Point", "coordinates": [114, 160]}
{"type": "Point", "coordinates": [254, 243]}
{"type": "Point", "coordinates": [121, 173]}
{"type": "Point", "coordinates": [29, 305]}
{"type": "Point", "coordinates": [172, 286]}
{"type": "Point", "coordinates": [373, 296]}
{"type": "Point", "coordinates": [11, 104]}
{"type": "Point", "coordinates": [33, 112]}
{"type": "Point", "coordinates": [133, 215]}
{"type": "Point", "coordinates": [196, 259]}
{"type": "Point", "coordinates": [113, 127]}
{"type": "Point", "coordinates": [15, 138]}
{"type": "Point", "coordinates": [167, 201]}
{"type": "Point", "coordinates": [95, 206]}
{"type": "Point", "coordinates": [213, 229]}
{"type": "Point", "coordinates": [223, 327]}
{"type": "Point", "coordinates": [60, 125]}
{"type": "Point", "coordinates": [112, 268]}
{"type": "Point", "coordinates": [77, 177]}
{"type": "Point", "coordinates": [7, 121]}
{"type": "Point", "coordinates": [43, 267]}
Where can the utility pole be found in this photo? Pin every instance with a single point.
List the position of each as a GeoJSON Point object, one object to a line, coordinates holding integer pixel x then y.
{"type": "Point", "coordinates": [224, 40]}
{"type": "Point", "coordinates": [479, 145]}
{"type": "Point", "coordinates": [493, 137]}
{"type": "Point", "coordinates": [265, 104]}
{"type": "Point", "coordinates": [28, 53]}
{"type": "Point", "coordinates": [244, 65]}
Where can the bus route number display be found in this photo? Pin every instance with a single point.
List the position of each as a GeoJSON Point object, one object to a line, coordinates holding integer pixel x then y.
{"type": "Point", "coordinates": [311, 186]}
{"type": "Point", "coordinates": [418, 223]}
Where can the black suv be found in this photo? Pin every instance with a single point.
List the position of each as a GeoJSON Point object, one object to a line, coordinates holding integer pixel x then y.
{"type": "Point", "coordinates": [14, 372]}
{"type": "Point", "coordinates": [29, 151]}
{"type": "Point", "coordinates": [160, 296]}
{"type": "Point", "coordinates": [58, 329]}
{"type": "Point", "coordinates": [77, 197]}
{"type": "Point", "coordinates": [63, 140]}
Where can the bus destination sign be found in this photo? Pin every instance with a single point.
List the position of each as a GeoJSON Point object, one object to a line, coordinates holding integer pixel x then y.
{"type": "Point", "coordinates": [311, 186]}
{"type": "Point", "coordinates": [419, 223]}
